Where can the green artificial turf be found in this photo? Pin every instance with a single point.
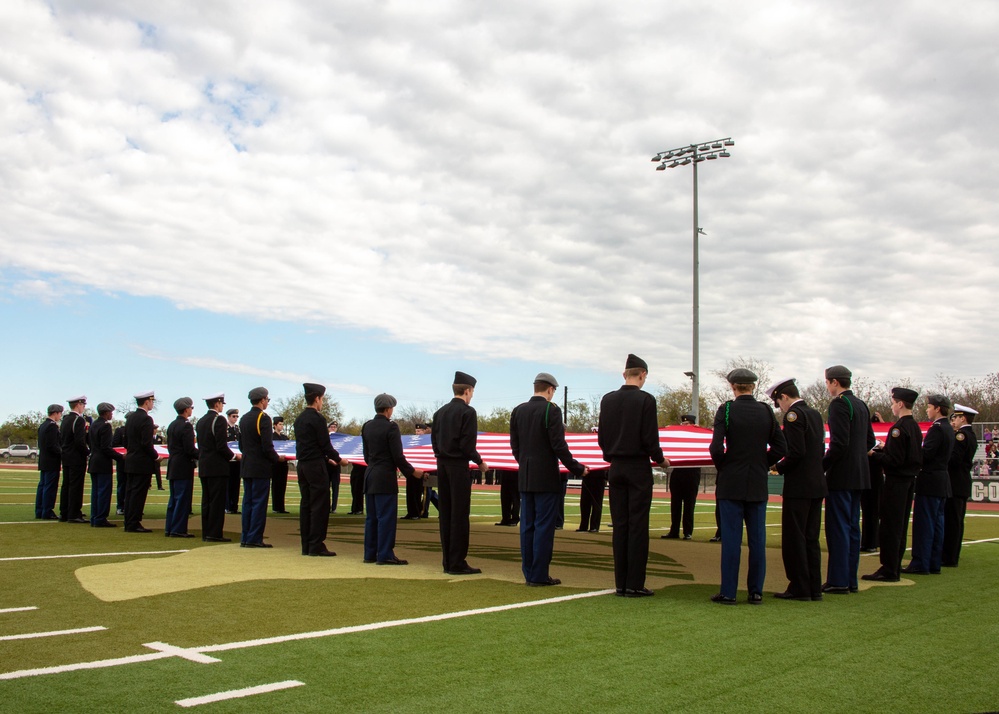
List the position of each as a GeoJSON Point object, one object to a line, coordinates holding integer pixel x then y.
{"type": "Point", "coordinates": [926, 646]}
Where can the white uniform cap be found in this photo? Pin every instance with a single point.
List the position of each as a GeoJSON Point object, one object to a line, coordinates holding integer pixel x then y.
{"type": "Point", "coordinates": [964, 409]}
{"type": "Point", "coordinates": [145, 395]}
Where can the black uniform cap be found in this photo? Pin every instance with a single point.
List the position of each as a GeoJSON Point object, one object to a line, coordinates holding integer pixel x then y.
{"type": "Point", "coordinates": [904, 394]}
{"type": "Point", "coordinates": [838, 371]}
{"type": "Point", "coordinates": [463, 378]}
{"type": "Point", "coordinates": [311, 388]}
{"type": "Point", "coordinates": [939, 400]}
{"type": "Point", "coordinates": [636, 362]}
{"type": "Point", "coordinates": [689, 417]}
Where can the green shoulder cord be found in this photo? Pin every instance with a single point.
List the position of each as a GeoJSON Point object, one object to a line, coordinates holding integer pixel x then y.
{"type": "Point", "coordinates": [849, 404]}
{"type": "Point", "coordinates": [728, 405]}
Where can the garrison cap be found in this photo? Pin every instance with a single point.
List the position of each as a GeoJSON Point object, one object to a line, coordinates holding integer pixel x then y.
{"type": "Point", "coordinates": [774, 389]}
{"type": "Point", "coordinates": [384, 401]}
{"type": "Point", "coordinates": [74, 400]}
{"type": "Point", "coordinates": [546, 378]}
{"type": "Point", "coordinates": [904, 394]}
{"type": "Point", "coordinates": [939, 400]}
{"type": "Point", "coordinates": [55, 409]}
{"type": "Point", "coordinates": [313, 388]}
{"type": "Point", "coordinates": [961, 409]}
{"type": "Point", "coordinates": [183, 403]}
{"type": "Point", "coordinates": [741, 375]}
{"type": "Point", "coordinates": [464, 378]}
{"type": "Point", "coordinates": [143, 396]}
{"type": "Point", "coordinates": [838, 371]}
{"type": "Point", "coordinates": [257, 393]}
{"type": "Point", "coordinates": [230, 412]}
{"type": "Point", "coordinates": [635, 362]}
{"type": "Point", "coordinates": [688, 417]}
{"type": "Point", "coordinates": [105, 407]}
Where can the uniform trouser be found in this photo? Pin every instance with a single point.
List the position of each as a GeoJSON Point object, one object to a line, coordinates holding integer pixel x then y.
{"type": "Point", "coordinates": [717, 519]}
{"type": "Point", "coordinates": [414, 497]}
{"type": "Point", "coordinates": [100, 497]}
{"type": "Point", "coordinates": [870, 510]}
{"type": "Point", "coordinates": [509, 497]}
{"type": "Point", "coordinates": [314, 518]}
{"type": "Point", "coordinates": [45, 495]}
{"type": "Point", "coordinates": [179, 505]}
{"type": "Point", "coordinates": [213, 506]}
{"type": "Point", "coordinates": [954, 511]}
{"type": "Point", "coordinates": [733, 513]}
{"type": "Point", "coordinates": [357, 489]}
{"type": "Point", "coordinates": [255, 492]}
{"type": "Point", "coordinates": [120, 489]}
{"type": "Point", "coordinates": [927, 533]}
{"type": "Point", "coordinates": [896, 508]}
{"type": "Point", "coordinates": [279, 486]}
{"type": "Point", "coordinates": [71, 496]}
{"type": "Point", "coordinates": [136, 489]}
{"type": "Point", "coordinates": [333, 472]}
{"type": "Point", "coordinates": [842, 538]}
{"type": "Point", "coordinates": [591, 500]}
{"type": "Point", "coordinates": [380, 525]}
{"type": "Point", "coordinates": [159, 476]}
{"type": "Point", "coordinates": [801, 523]}
{"type": "Point", "coordinates": [630, 493]}
{"type": "Point", "coordinates": [430, 497]}
{"type": "Point", "coordinates": [683, 490]}
{"type": "Point", "coordinates": [537, 534]}
{"type": "Point", "coordinates": [455, 483]}
{"type": "Point", "coordinates": [560, 516]}
{"type": "Point", "coordinates": [232, 488]}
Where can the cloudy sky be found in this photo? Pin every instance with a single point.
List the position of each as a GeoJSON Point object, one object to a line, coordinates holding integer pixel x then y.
{"type": "Point", "coordinates": [204, 196]}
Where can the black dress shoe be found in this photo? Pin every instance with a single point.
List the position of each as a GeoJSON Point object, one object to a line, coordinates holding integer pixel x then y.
{"type": "Point", "coordinates": [639, 592]}
{"type": "Point", "coordinates": [410, 518]}
{"type": "Point", "coordinates": [78, 520]}
{"type": "Point", "coordinates": [366, 560]}
{"type": "Point", "coordinates": [909, 570]}
{"type": "Point", "coordinates": [879, 577]}
{"type": "Point", "coordinates": [788, 595]}
{"type": "Point", "coordinates": [670, 536]}
{"type": "Point", "coordinates": [868, 550]}
{"type": "Point", "coordinates": [688, 537]}
{"type": "Point", "coordinates": [104, 524]}
{"type": "Point", "coordinates": [138, 529]}
{"type": "Point", "coordinates": [255, 545]}
{"type": "Point", "coordinates": [282, 511]}
{"type": "Point", "coordinates": [212, 539]}
{"type": "Point", "coordinates": [755, 599]}
{"type": "Point", "coordinates": [53, 517]}
{"type": "Point", "coordinates": [467, 570]}
{"type": "Point", "coordinates": [619, 592]}
{"type": "Point", "coordinates": [323, 554]}
{"type": "Point", "coordinates": [393, 561]}
{"type": "Point", "coordinates": [581, 530]}
{"type": "Point", "coordinates": [594, 530]}
{"type": "Point", "coordinates": [714, 539]}
{"type": "Point", "coordinates": [834, 590]}
{"type": "Point", "coordinates": [544, 583]}
{"type": "Point", "coordinates": [722, 600]}
{"type": "Point", "coordinates": [181, 535]}
{"type": "Point", "coordinates": [503, 523]}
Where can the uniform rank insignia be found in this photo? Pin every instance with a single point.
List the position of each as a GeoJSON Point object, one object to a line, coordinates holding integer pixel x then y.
{"type": "Point", "coordinates": [792, 416]}
{"type": "Point", "coordinates": [895, 432]}
{"type": "Point", "coordinates": [959, 437]}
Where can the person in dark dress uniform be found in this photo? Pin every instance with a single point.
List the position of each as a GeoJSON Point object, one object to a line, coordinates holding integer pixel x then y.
{"type": "Point", "coordinates": [847, 475]}
{"type": "Point", "coordinates": [256, 443]}
{"type": "Point", "coordinates": [537, 440]}
{"type": "Point", "coordinates": [279, 472]}
{"type": "Point", "coordinates": [233, 484]}
{"type": "Point", "coordinates": [804, 489]}
{"type": "Point", "coordinates": [870, 503]}
{"type": "Point", "coordinates": [932, 490]}
{"type": "Point", "coordinates": [333, 472]}
{"type": "Point", "coordinates": [628, 435]}
{"type": "Point", "coordinates": [900, 458]}
{"type": "Point", "coordinates": [49, 462]}
{"type": "Point", "coordinates": [591, 500]}
{"type": "Point", "coordinates": [73, 440]}
{"type": "Point", "coordinates": [101, 467]}
{"type": "Point", "coordinates": [382, 443]}
{"type": "Point", "coordinates": [429, 480]}
{"type": "Point", "coordinates": [453, 439]}
{"type": "Point", "coordinates": [962, 459]}
{"type": "Point", "coordinates": [683, 484]}
{"type": "Point", "coordinates": [140, 461]}
{"type": "Point", "coordinates": [746, 442]}
{"type": "Point", "coordinates": [180, 469]}
{"type": "Point", "coordinates": [214, 456]}
{"type": "Point", "coordinates": [509, 498]}
{"type": "Point", "coordinates": [315, 454]}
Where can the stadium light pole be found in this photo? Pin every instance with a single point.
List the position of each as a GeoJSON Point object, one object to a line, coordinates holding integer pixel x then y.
{"type": "Point", "coordinates": [684, 156]}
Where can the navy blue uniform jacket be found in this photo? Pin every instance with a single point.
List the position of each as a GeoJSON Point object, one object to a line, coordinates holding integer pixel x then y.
{"type": "Point", "coordinates": [850, 438]}
{"type": "Point", "coordinates": [537, 439]}
{"type": "Point", "coordinates": [934, 478]}
{"type": "Point", "coordinates": [102, 454]}
{"type": "Point", "coordinates": [140, 456]}
{"type": "Point", "coordinates": [49, 451]}
{"type": "Point", "coordinates": [183, 452]}
{"type": "Point", "coordinates": [745, 443]}
{"type": "Point", "coordinates": [383, 454]}
{"type": "Point", "coordinates": [214, 453]}
{"type": "Point", "coordinates": [256, 442]}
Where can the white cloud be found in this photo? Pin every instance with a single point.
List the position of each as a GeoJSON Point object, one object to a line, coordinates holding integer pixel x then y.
{"type": "Point", "coordinates": [476, 179]}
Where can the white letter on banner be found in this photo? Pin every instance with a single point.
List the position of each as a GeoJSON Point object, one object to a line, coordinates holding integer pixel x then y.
{"type": "Point", "coordinates": [977, 492]}
{"type": "Point", "coordinates": [994, 491]}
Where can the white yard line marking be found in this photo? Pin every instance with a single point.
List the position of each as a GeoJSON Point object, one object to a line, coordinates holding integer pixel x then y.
{"type": "Point", "coordinates": [96, 555]}
{"type": "Point", "coordinates": [17, 609]}
{"type": "Point", "coordinates": [24, 523]}
{"type": "Point", "coordinates": [53, 633]}
{"type": "Point", "coordinates": [181, 652]}
{"type": "Point", "coordinates": [100, 664]}
{"type": "Point", "coordinates": [239, 693]}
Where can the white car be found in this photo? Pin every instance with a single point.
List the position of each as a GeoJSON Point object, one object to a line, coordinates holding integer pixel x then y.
{"type": "Point", "coordinates": [20, 451]}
